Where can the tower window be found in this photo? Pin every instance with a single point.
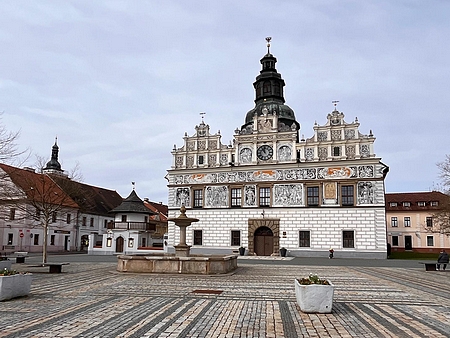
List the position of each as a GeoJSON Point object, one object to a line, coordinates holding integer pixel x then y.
{"type": "Point", "coordinates": [201, 159]}
{"type": "Point", "coordinates": [336, 151]}
{"type": "Point", "coordinates": [264, 197]}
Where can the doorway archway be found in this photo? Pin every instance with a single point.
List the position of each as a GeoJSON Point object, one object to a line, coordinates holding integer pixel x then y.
{"type": "Point", "coordinates": [266, 226]}
{"type": "Point", "coordinates": [119, 244]}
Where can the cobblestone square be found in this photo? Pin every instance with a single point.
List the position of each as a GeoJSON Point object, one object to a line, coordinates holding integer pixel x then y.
{"type": "Point", "coordinates": [258, 300]}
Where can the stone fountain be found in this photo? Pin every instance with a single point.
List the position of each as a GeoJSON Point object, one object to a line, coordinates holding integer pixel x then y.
{"type": "Point", "coordinates": [182, 262]}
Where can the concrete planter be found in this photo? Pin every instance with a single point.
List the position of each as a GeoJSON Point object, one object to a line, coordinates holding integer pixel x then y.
{"type": "Point", "coordinates": [15, 286]}
{"type": "Point", "coordinates": [5, 265]}
{"type": "Point", "coordinates": [314, 298]}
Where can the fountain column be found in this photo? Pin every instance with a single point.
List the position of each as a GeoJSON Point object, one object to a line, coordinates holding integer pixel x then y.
{"type": "Point", "coordinates": [182, 221]}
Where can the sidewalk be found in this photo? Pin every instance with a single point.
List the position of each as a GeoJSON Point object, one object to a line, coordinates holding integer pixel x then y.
{"type": "Point", "coordinates": [93, 300]}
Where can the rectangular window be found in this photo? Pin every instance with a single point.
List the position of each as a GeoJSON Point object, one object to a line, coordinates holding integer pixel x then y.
{"type": "Point", "coordinates": [36, 239]}
{"type": "Point", "coordinates": [407, 221]}
{"type": "Point", "coordinates": [394, 240]}
{"type": "Point", "coordinates": [105, 223]}
{"type": "Point", "coordinates": [12, 214]}
{"type": "Point", "coordinates": [421, 204]}
{"type": "Point", "coordinates": [430, 241]}
{"type": "Point", "coordinates": [235, 238]}
{"type": "Point", "coordinates": [69, 218]}
{"type": "Point", "coordinates": [406, 204]}
{"type": "Point", "coordinates": [434, 203]}
{"type": "Point", "coordinates": [53, 216]}
{"type": "Point", "coordinates": [304, 239]}
{"type": "Point", "coordinates": [312, 196]}
{"type": "Point", "coordinates": [198, 237]}
{"type": "Point", "coordinates": [10, 239]}
{"type": "Point", "coordinates": [83, 223]}
{"type": "Point", "coordinates": [198, 198]}
{"type": "Point", "coordinates": [336, 151]}
{"type": "Point", "coordinates": [347, 193]}
{"type": "Point", "coordinates": [394, 222]}
{"type": "Point", "coordinates": [348, 239]}
{"type": "Point", "coordinates": [200, 159]}
{"type": "Point", "coordinates": [52, 239]}
{"type": "Point", "coordinates": [429, 221]}
{"type": "Point", "coordinates": [393, 204]}
{"type": "Point", "coordinates": [264, 197]}
{"type": "Point", "coordinates": [236, 197]}
{"type": "Point", "coordinates": [144, 241]}
{"type": "Point", "coordinates": [124, 218]}
{"type": "Point", "coordinates": [92, 222]}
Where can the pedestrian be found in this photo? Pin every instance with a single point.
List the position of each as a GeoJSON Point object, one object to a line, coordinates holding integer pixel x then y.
{"type": "Point", "coordinates": [442, 259]}
{"type": "Point", "coordinates": [331, 253]}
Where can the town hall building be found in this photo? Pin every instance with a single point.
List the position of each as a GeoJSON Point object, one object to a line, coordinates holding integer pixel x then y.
{"type": "Point", "coordinates": [270, 189]}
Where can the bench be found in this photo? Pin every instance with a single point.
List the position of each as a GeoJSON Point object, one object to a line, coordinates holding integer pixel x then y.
{"type": "Point", "coordinates": [19, 256]}
{"type": "Point", "coordinates": [55, 267]}
{"type": "Point", "coordinates": [429, 266]}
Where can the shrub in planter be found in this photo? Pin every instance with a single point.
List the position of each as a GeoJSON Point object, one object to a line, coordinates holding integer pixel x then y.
{"type": "Point", "coordinates": [13, 284]}
{"type": "Point", "coordinates": [314, 294]}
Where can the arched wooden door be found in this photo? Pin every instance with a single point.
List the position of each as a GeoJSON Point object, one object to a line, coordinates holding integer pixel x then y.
{"type": "Point", "coordinates": [263, 241]}
{"type": "Point", "coordinates": [119, 244]}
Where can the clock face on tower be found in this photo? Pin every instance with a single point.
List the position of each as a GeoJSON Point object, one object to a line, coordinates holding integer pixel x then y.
{"type": "Point", "coordinates": [265, 152]}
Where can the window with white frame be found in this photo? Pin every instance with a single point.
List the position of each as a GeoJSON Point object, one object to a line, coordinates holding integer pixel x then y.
{"type": "Point", "coordinates": [393, 204]}
{"type": "Point", "coordinates": [429, 221]}
{"type": "Point", "coordinates": [264, 196]}
{"type": "Point", "coordinates": [394, 222]}
{"type": "Point", "coordinates": [421, 204]}
{"type": "Point", "coordinates": [236, 197]}
{"type": "Point", "coordinates": [434, 203]}
{"type": "Point", "coordinates": [407, 204]}
{"type": "Point", "coordinates": [407, 221]}
{"type": "Point", "coordinates": [430, 241]}
{"type": "Point", "coordinates": [198, 198]}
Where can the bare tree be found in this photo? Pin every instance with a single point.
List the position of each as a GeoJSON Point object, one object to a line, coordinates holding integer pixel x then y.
{"type": "Point", "coordinates": [37, 198]}
{"type": "Point", "coordinates": [9, 150]}
{"type": "Point", "coordinates": [441, 217]}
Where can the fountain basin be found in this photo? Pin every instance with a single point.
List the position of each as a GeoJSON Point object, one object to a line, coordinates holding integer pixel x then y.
{"type": "Point", "coordinates": [171, 264]}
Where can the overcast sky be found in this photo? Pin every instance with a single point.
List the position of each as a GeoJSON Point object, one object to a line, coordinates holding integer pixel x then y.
{"type": "Point", "coordinates": [120, 82]}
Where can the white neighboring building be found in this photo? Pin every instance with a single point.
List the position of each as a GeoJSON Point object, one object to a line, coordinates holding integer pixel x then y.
{"type": "Point", "coordinates": [270, 190]}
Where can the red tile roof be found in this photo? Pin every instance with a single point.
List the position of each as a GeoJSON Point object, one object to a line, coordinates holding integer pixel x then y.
{"type": "Point", "coordinates": [414, 198]}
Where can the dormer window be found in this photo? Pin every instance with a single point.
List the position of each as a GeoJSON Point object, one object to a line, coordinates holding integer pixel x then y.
{"type": "Point", "coordinates": [407, 204]}
{"type": "Point", "coordinates": [421, 204]}
{"type": "Point", "coordinates": [393, 204]}
{"type": "Point", "coordinates": [434, 203]}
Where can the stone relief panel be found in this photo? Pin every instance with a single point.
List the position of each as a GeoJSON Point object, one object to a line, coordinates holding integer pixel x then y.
{"type": "Point", "coordinates": [245, 155]}
{"type": "Point", "coordinates": [250, 195]}
{"type": "Point", "coordinates": [284, 153]}
{"type": "Point", "coordinates": [330, 193]}
{"type": "Point", "coordinates": [322, 136]}
{"type": "Point", "coordinates": [277, 175]}
{"type": "Point", "coordinates": [286, 195]}
{"type": "Point", "coordinates": [202, 145]}
{"type": "Point", "coordinates": [349, 134]}
{"type": "Point", "coordinates": [212, 144]}
{"type": "Point", "coordinates": [309, 154]}
{"type": "Point", "coordinates": [335, 135]}
{"type": "Point", "coordinates": [224, 159]}
{"type": "Point", "coordinates": [182, 197]}
{"type": "Point", "coordinates": [323, 153]}
{"type": "Point", "coordinates": [189, 161]}
{"type": "Point", "coordinates": [365, 193]}
{"type": "Point", "coordinates": [216, 197]}
{"type": "Point", "coordinates": [336, 172]}
{"type": "Point", "coordinates": [350, 151]}
{"type": "Point", "coordinates": [366, 171]}
{"type": "Point", "coordinates": [179, 161]}
{"type": "Point", "coordinates": [212, 160]}
{"type": "Point", "coordinates": [264, 126]}
{"type": "Point", "coordinates": [190, 145]}
{"type": "Point", "coordinates": [364, 150]}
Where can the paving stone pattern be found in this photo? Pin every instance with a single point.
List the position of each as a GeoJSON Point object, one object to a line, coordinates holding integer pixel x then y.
{"type": "Point", "coordinates": [93, 300]}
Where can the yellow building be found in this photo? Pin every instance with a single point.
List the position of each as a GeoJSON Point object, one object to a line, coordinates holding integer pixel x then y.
{"type": "Point", "coordinates": [410, 223]}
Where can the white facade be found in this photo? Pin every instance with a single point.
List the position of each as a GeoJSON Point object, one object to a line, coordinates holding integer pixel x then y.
{"type": "Point", "coordinates": [270, 190]}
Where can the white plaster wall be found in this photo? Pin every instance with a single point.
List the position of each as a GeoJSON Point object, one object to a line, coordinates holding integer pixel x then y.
{"type": "Point", "coordinates": [326, 226]}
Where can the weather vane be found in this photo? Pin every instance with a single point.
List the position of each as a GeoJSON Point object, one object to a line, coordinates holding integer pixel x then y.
{"type": "Point", "coordinates": [335, 104]}
{"type": "Point", "coordinates": [133, 184]}
{"type": "Point", "coordinates": [268, 39]}
{"type": "Point", "coordinates": [202, 114]}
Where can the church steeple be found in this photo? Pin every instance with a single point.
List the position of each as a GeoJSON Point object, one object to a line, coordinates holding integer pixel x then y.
{"type": "Point", "coordinates": [53, 164]}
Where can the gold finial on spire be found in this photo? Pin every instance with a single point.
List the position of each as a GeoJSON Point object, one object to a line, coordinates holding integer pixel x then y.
{"type": "Point", "coordinates": [268, 39]}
